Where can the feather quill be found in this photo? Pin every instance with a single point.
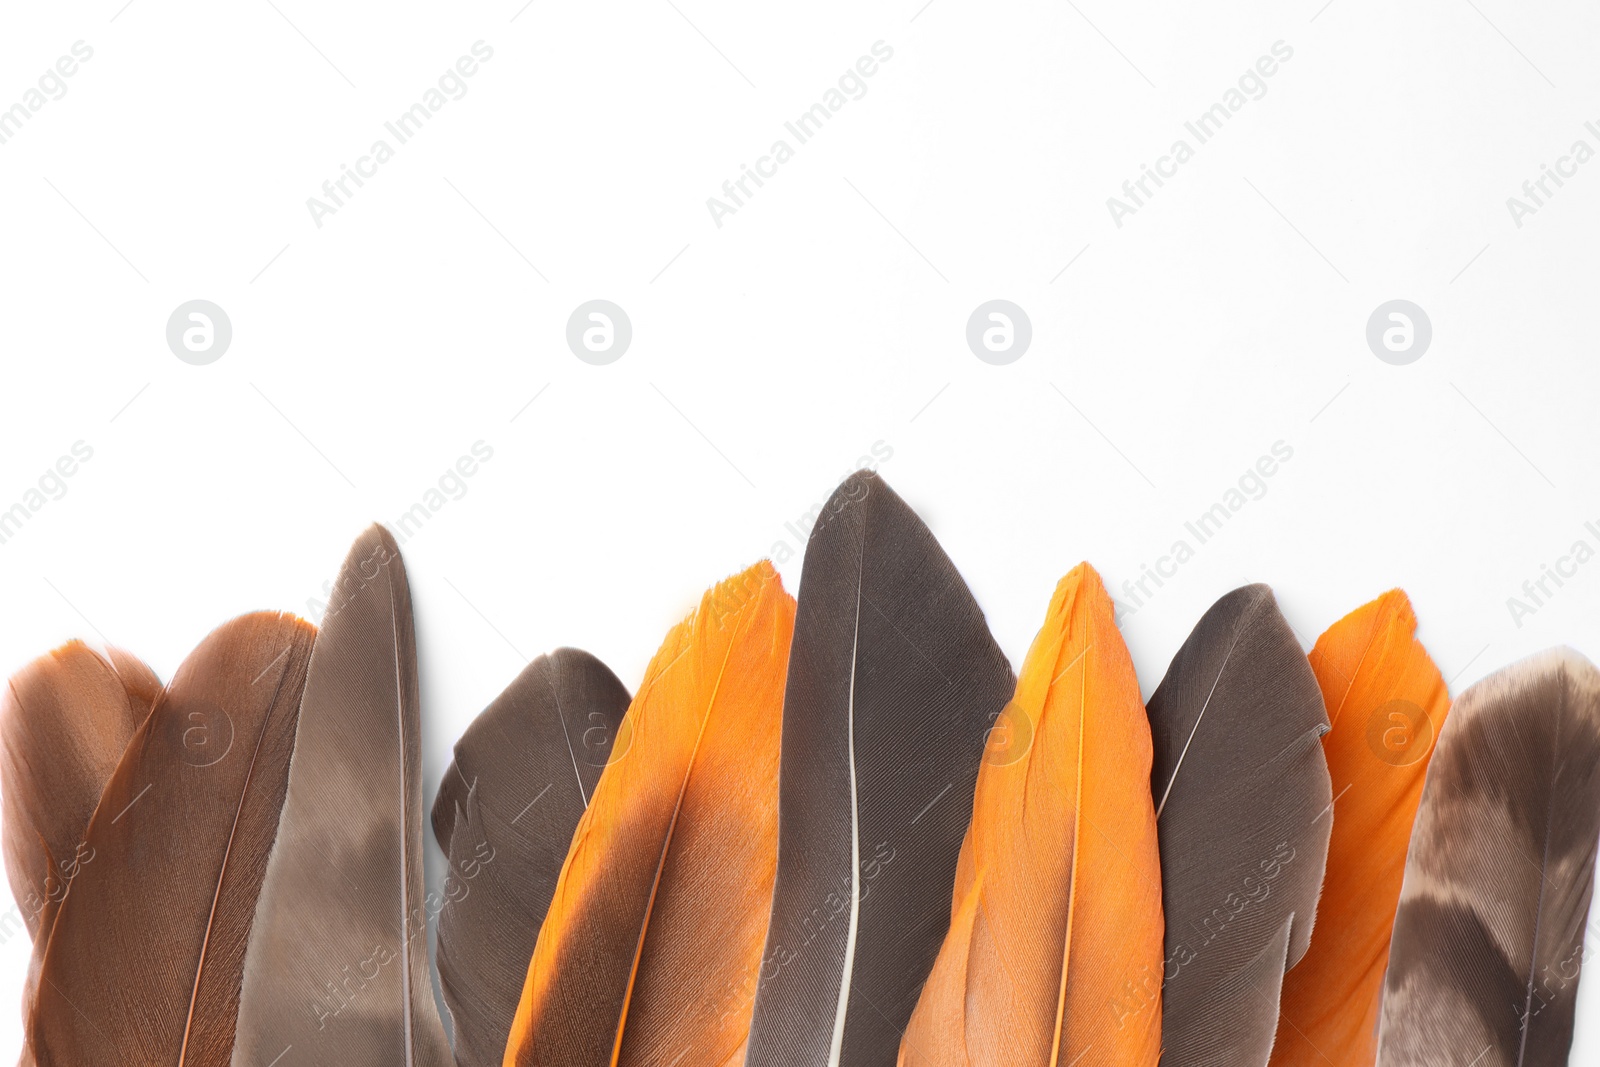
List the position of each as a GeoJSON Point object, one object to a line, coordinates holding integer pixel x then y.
{"type": "Point", "coordinates": [522, 776]}
{"type": "Point", "coordinates": [893, 683]}
{"type": "Point", "coordinates": [1386, 702]}
{"type": "Point", "coordinates": [1243, 813]}
{"type": "Point", "coordinates": [1054, 950]}
{"type": "Point", "coordinates": [144, 958]}
{"type": "Point", "coordinates": [337, 969]}
{"type": "Point", "coordinates": [653, 938]}
{"type": "Point", "coordinates": [1489, 939]}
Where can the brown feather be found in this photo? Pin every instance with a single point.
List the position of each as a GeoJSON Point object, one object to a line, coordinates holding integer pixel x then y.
{"type": "Point", "coordinates": [523, 774]}
{"type": "Point", "coordinates": [65, 719]}
{"type": "Point", "coordinates": [1488, 941]}
{"type": "Point", "coordinates": [144, 959]}
{"type": "Point", "coordinates": [337, 970]}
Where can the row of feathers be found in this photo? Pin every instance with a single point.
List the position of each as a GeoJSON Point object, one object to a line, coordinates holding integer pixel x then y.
{"type": "Point", "coordinates": [837, 832]}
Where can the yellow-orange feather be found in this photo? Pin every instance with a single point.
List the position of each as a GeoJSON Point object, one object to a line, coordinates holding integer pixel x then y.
{"type": "Point", "coordinates": [1386, 701]}
{"type": "Point", "coordinates": [1054, 955]}
{"type": "Point", "coordinates": [651, 949]}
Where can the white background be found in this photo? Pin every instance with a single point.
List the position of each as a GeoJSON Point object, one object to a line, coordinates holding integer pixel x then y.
{"type": "Point", "coordinates": [828, 314]}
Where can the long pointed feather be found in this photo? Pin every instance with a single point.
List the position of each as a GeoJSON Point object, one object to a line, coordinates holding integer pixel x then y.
{"type": "Point", "coordinates": [337, 972]}
{"type": "Point", "coordinates": [522, 776]}
{"type": "Point", "coordinates": [893, 683]}
{"type": "Point", "coordinates": [1489, 939]}
{"type": "Point", "coordinates": [144, 959]}
{"type": "Point", "coordinates": [1054, 950]}
{"type": "Point", "coordinates": [1244, 810]}
{"type": "Point", "coordinates": [653, 939]}
{"type": "Point", "coordinates": [1386, 702]}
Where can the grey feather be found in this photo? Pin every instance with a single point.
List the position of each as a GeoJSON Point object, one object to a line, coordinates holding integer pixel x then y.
{"type": "Point", "coordinates": [893, 683]}
{"type": "Point", "coordinates": [1243, 815]}
{"type": "Point", "coordinates": [1488, 939]}
{"type": "Point", "coordinates": [336, 972]}
{"type": "Point", "coordinates": [522, 776]}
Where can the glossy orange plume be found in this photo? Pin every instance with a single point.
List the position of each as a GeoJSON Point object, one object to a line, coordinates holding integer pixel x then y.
{"type": "Point", "coordinates": [1386, 702]}
{"type": "Point", "coordinates": [1054, 955]}
{"type": "Point", "coordinates": [651, 948]}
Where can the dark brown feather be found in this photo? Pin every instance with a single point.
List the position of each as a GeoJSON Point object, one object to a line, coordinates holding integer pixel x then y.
{"type": "Point", "coordinates": [337, 970]}
{"type": "Point", "coordinates": [1243, 815]}
{"type": "Point", "coordinates": [893, 683]}
{"type": "Point", "coordinates": [522, 776]}
{"type": "Point", "coordinates": [1488, 940]}
{"type": "Point", "coordinates": [144, 959]}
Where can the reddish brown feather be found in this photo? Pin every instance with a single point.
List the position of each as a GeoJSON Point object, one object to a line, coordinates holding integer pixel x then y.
{"type": "Point", "coordinates": [144, 961]}
{"type": "Point", "coordinates": [65, 719]}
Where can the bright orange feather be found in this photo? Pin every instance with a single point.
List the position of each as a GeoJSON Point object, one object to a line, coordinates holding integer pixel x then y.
{"type": "Point", "coordinates": [1054, 956]}
{"type": "Point", "coordinates": [651, 948]}
{"type": "Point", "coordinates": [1386, 702]}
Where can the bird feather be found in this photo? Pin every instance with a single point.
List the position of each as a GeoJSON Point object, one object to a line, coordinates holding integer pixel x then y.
{"type": "Point", "coordinates": [337, 970]}
{"type": "Point", "coordinates": [145, 956]}
{"type": "Point", "coordinates": [522, 776]}
{"type": "Point", "coordinates": [894, 681]}
{"type": "Point", "coordinates": [1386, 703]}
{"type": "Point", "coordinates": [652, 942]}
{"type": "Point", "coordinates": [1489, 937]}
{"type": "Point", "coordinates": [1243, 814]}
{"type": "Point", "coordinates": [1054, 950]}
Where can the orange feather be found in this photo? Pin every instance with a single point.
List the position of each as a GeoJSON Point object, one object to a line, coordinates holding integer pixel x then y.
{"type": "Point", "coordinates": [1054, 955]}
{"type": "Point", "coordinates": [651, 949]}
{"type": "Point", "coordinates": [1386, 702]}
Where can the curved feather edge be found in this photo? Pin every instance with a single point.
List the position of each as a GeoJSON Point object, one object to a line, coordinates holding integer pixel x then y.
{"type": "Point", "coordinates": [652, 942]}
{"type": "Point", "coordinates": [1386, 702]}
{"type": "Point", "coordinates": [1243, 809]}
{"type": "Point", "coordinates": [1489, 938]}
{"type": "Point", "coordinates": [144, 959]}
{"type": "Point", "coordinates": [507, 806]}
{"type": "Point", "coordinates": [894, 681]}
{"type": "Point", "coordinates": [336, 972]}
{"type": "Point", "coordinates": [1054, 951]}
